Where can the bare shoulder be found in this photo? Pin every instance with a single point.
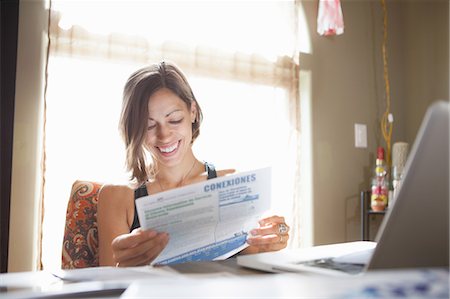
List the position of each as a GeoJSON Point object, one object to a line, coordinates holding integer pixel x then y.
{"type": "Point", "coordinates": [115, 195]}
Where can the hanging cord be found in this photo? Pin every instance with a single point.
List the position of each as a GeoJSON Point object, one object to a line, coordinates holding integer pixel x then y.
{"type": "Point", "coordinates": [387, 119]}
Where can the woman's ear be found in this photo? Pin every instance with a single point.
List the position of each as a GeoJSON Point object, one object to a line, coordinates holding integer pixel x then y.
{"type": "Point", "coordinates": [193, 112]}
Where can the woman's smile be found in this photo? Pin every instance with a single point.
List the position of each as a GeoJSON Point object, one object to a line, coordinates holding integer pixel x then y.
{"type": "Point", "coordinates": [168, 150]}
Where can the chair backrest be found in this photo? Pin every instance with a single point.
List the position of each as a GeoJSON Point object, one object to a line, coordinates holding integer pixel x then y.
{"type": "Point", "coordinates": [80, 244]}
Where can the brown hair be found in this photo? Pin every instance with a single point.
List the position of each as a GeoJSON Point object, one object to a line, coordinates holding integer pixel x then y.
{"type": "Point", "coordinates": [133, 119]}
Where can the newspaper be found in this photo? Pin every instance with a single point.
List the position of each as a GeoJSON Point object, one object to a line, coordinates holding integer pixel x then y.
{"type": "Point", "coordinates": [208, 220]}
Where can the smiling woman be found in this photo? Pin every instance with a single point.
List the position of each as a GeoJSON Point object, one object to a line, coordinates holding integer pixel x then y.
{"type": "Point", "coordinates": [172, 107]}
{"type": "Point", "coordinates": [246, 82]}
{"type": "Point", "coordinates": [160, 116]}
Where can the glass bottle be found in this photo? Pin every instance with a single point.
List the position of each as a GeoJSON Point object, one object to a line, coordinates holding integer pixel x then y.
{"type": "Point", "coordinates": [380, 183]}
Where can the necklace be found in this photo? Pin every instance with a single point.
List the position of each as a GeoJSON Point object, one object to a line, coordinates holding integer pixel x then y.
{"type": "Point", "coordinates": [182, 180]}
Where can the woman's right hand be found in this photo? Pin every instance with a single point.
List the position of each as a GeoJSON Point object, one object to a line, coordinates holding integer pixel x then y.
{"type": "Point", "coordinates": [140, 247]}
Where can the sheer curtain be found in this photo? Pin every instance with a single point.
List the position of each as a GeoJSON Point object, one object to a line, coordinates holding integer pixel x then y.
{"type": "Point", "coordinates": [239, 57]}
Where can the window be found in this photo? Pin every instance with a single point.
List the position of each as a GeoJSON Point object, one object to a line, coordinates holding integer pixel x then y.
{"type": "Point", "coordinates": [239, 58]}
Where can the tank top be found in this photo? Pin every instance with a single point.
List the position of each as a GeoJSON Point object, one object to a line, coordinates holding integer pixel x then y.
{"type": "Point", "coordinates": [142, 191]}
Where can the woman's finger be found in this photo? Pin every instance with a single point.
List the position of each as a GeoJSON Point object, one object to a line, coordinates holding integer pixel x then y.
{"type": "Point", "coordinates": [266, 247]}
{"type": "Point", "coordinates": [268, 239]}
{"type": "Point", "coordinates": [271, 247]}
{"type": "Point", "coordinates": [224, 172]}
{"type": "Point", "coordinates": [139, 250]}
{"type": "Point", "coordinates": [269, 243]}
{"type": "Point", "coordinates": [278, 229]}
{"type": "Point", "coordinates": [122, 255]}
{"type": "Point", "coordinates": [132, 239]}
{"type": "Point", "coordinates": [146, 257]}
{"type": "Point", "coordinates": [271, 220]}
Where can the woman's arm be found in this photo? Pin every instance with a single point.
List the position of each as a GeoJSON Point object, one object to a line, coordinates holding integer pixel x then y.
{"type": "Point", "coordinates": [117, 246]}
{"type": "Point", "coordinates": [112, 219]}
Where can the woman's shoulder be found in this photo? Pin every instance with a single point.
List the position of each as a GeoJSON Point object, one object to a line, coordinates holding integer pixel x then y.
{"type": "Point", "coordinates": [116, 188]}
{"type": "Point", "coordinates": [114, 192]}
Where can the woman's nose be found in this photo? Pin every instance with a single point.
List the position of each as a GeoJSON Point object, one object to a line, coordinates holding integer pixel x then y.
{"type": "Point", "coordinates": [163, 132]}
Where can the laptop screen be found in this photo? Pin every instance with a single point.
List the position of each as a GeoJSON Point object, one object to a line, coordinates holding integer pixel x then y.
{"type": "Point", "coordinates": [415, 230]}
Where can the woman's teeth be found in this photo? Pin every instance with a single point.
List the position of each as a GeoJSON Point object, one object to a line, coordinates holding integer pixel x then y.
{"type": "Point", "coordinates": [169, 149]}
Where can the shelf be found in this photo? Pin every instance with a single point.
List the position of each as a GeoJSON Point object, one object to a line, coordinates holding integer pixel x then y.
{"type": "Point", "coordinates": [372, 212]}
{"type": "Point", "coordinates": [366, 211]}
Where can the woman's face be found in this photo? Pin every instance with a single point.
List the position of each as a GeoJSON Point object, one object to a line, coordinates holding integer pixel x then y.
{"type": "Point", "coordinates": [169, 127]}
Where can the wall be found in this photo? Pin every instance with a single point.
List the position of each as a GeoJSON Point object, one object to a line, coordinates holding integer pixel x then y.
{"type": "Point", "coordinates": [427, 56]}
{"type": "Point", "coordinates": [26, 183]}
{"type": "Point", "coordinates": [9, 19]}
{"type": "Point", "coordinates": [348, 87]}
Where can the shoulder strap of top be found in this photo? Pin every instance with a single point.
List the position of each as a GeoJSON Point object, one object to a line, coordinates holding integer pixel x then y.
{"type": "Point", "coordinates": [211, 170]}
{"type": "Point", "coordinates": [139, 192]}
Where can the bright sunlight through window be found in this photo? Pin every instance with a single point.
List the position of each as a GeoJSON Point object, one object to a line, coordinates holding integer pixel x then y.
{"type": "Point", "coordinates": [248, 121]}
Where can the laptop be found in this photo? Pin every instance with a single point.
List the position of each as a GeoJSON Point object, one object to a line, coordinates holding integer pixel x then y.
{"type": "Point", "coordinates": [415, 230]}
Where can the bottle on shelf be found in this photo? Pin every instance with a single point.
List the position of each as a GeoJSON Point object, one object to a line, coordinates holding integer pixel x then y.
{"type": "Point", "coordinates": [399, 155]}
{"type": "Point", "coordinates": [380, 183]}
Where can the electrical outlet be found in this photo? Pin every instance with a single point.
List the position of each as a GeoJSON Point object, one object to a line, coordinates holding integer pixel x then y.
{"type": "Point", "coordinates": [360, 136]}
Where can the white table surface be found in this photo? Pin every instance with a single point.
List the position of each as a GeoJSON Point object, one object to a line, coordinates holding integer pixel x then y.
{"type": "Point", "coordinates": [224, 279]}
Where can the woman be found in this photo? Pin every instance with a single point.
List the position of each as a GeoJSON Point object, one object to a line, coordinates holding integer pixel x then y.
{"type": "Point", "coordinates": [160, 120]}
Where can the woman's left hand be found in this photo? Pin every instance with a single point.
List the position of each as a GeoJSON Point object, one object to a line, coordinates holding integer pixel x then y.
{"type": "Point", "coordinates": [272, 235]}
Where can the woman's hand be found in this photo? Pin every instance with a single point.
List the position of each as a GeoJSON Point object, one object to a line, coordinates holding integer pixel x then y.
{"type": "Point", "coordinates": [138, 247]}
{"type": "Point", "coordinates": [224, 172]}
{"type": "Point", "coordinates": [272, 235]}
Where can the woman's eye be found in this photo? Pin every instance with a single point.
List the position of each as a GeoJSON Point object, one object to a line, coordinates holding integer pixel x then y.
{"type": "Point", "coordinates": [150, 127]}
{"type": "Point", "coordinates": [176, 121]}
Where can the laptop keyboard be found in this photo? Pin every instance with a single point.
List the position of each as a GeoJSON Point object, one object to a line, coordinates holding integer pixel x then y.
{"type": "Point", "coordinates": [329, 263]}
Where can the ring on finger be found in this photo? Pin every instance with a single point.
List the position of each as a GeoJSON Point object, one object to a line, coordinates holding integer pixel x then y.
{"type": "Point", "coordinates": [282, 228]}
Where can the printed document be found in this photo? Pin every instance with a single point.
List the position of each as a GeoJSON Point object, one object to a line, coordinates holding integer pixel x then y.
{"type": "Point", "coordinates": [208, 220]}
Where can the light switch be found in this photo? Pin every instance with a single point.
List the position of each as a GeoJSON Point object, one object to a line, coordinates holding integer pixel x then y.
{"type": "Point", "coordinates": [360, 136]}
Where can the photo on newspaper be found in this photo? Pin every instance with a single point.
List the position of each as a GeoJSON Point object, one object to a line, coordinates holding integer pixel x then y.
{"type": "Point", "coordinates": [208, 220]}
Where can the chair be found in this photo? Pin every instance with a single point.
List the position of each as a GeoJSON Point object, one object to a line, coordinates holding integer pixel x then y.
{"type": "Point", "coordinates": [80, 243]}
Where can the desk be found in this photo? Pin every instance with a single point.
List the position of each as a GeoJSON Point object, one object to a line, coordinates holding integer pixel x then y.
{"type": "Point", "coordinates": [109, 282]}
{"type": "Point", "coordinates": [225, 279]}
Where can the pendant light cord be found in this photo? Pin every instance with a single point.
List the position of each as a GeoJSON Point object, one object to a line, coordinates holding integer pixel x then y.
{"type": "Point", "coordinates": [386, 120]}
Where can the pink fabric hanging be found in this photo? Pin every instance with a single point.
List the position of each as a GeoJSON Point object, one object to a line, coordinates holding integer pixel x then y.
{"type": "Point", "coordinates": [330, 20]}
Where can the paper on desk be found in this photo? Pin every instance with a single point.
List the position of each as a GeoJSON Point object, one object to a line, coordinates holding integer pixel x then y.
{"type": "Point", "coordinates": [208, 220]}
{"type": "Point", "coordinates": [110, 273]}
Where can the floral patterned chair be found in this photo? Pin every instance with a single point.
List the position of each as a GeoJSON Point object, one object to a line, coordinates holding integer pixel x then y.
{"type": "Point", "coordinates": [80, 244]}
